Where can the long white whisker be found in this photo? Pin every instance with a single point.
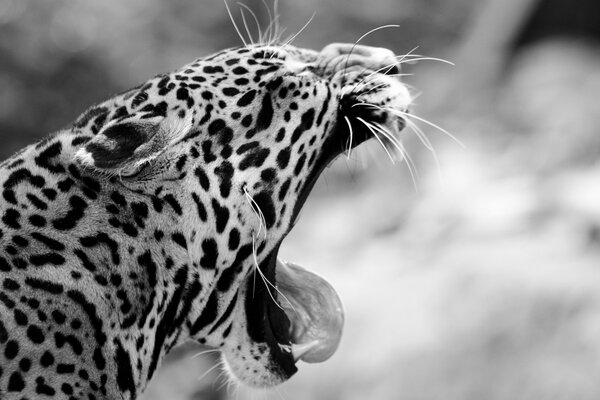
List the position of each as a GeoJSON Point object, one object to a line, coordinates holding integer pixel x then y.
{"type": "Point", "coordinates": [266, 281]}
{"type": "Point", "coordinates": [361, 38]}
{"type": "Point", "coordinates": [351, 136]}
{"type": "Point", "coordinates": [208, 371]}
{"type": "Point", "coordinates": [408, 60]}
{"type": "Point", "coordinates": [268, 12]}
{"type": "Point", "coordinates": [409, 115]}
{"type": "Point", "coordinates": [234, 24]}
{"type": "Point", "coordinates": [299, 32]}
{"type": "Point", "coordinates": [377, 137]}
{"type": "Point", "coordinates": [256, 22]}
{"type": "Point", "coordinates": [250, 37]}
{"type": "Point", "coordinates": [383, 68]}
{"type": "Point", "coordinates": [261, 217]}
{"type": "Point", "coordinates": [410, 164]}
{"type": "Point", "coordinates": [205, 352]}
{"type": "Point", "coordinates": [427, 143]}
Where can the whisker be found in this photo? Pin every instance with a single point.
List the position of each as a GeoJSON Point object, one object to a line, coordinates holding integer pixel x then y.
{"type": "Point", "coordinates": [410, 164]}
{"type": "Point", "coordinates": [208, 371]}
{"type": "Point", "coordinates": [298, 33]}
{"type": "Point", "coordinates": [377, 137]}
{"type": "Point", "coordinates": [256, 22]}
{"type": "Point", "coordinates": [419, 58]}
{"type": "Point", "coordinates": [387, 66]}
{"type": "Point", "coordinates": [266, 281]}
{"type": "Point", "coordinates": [351, 135]}
{"type": "Point", "coordinates": [361, 38]}
{"type": "Point", "coordinates": [257, 211]}
{"type": "Point", "coordinates": [205, 352]}
{"type": "Point", "coordinates": [264, 2]}
{"type": "Point", "coordinates": [409, 115]}
{"type": "Point", "coordinates": [250, 37]}
{"type": "Point", "coordinates": [234, 24]}
{"type": "Point", "coordinates": [426, 142]}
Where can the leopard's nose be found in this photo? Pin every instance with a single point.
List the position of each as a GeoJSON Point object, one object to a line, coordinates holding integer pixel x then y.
{"type": "Point", "coordinates": [344, 55]}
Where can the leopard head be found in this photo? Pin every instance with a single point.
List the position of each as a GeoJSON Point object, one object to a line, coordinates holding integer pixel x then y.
{"type": "Point", "coordinates": [239, 139]}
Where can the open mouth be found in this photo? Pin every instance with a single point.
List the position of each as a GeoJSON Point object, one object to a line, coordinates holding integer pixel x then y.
{"type": "Point", "coordinates": [300, 316]}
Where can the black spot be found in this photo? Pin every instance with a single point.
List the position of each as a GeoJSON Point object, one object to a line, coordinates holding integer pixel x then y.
{"type": "Point", "coordinates": [48, 242]}
{"type": "Point", "coordinates": [224, 172]}
{"type": "Point", "coordinates": [43, 159]}
{"type": "Point", "coordinates": [170, 199]}
{"type": "Point", "coordinates": [37, 220]}
{"type": "Point", "coordinates": [300, 164]}
{"type": "Point", "coordinates": [149, 266]}
{"type": "Point", "coordinates": [202, 178]}
{"type": "Point", "coordinates": [85, 261]}
{"type": "Point", "coordinates": [221, 214]}
{"type": "Point", "coordinates": [182, 93]}
{"type": "Point", "coordinates": [47, 258]}
{"type": "Point", "coordinates": [246, 146]}
{"type": "Point", "coordinates": [209, 156]}
{"type": "Point", "coordinates": [15, 382]}
{"type": "Point", "coordinates": [35, 334]}
{"type": "Point", "coordinates": [226, 279]}
{"type": "Point", "coordinates": [284, 189]}
{"type": "Point", "coordinates": [209, 313]}
{"type": "Point", "coordinates": [11, 350]}
{"type": "Point", "coordinates": [181, 162]}
{"type": "Point", "coordinates": [20, 317]}
{"type": "Point", "coordinates": [76, 213]}
{"type": "Point", "coordinates": [47, 359]}
{"type": "Point", "coordinates": [246, 98]}
{"type": "Point", "coordinates": [306, 122]}
{"type": "Point", "coordinates": [42, 388]}
{"type": "Point", "coordinates": [268, 175]}
{"type": "Point", "coordinates": [103, 238]}
{"type": "Point", "coordinates": [255, 158]}
{"type": "Point", "coordinates": [247, 121]}
{"type": "Point", "coordinates": [230, 91]}
{"type": "Point", "coordinates": [234, 239]}
{"type": "Point", "coordinates": [212, 69]}
{"type": "Point", "coordinates": [3, 333]}
{"type": "Point", "coordinates": [11, 218]}
{"type": "Point", "coordinates": [199, 207]}
{"type": "Point", "coordinates": [265, 115]}
{"type": "Point", "coordinates": [283, 158]}
{"type": "Point", "coordinates": [125, 379]}
{"type": "Point", "coordinates": [65, 368]}
{"type": "Point", "coordinates": [179, 239]}
{"type": "Point", "coordinates": [11, 284]}
{"type": "Point", "coordinates": [42, 284]}
{"type": "Point", "coordinates": [89, 115]}
{"type": "Point", "coordinates": [209, 255]}
{"type": "Point", "coordinates": [215, 126]}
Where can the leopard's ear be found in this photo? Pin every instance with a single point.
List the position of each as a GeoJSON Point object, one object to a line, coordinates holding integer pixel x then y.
{"type": "Point", "coordinates": [124, 147]}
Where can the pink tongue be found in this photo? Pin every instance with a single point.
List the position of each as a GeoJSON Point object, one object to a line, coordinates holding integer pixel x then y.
{"type": "Point", "coordinates": [313, 308]}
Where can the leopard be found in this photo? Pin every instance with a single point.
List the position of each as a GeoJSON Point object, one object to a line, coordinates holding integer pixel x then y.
{"type": "Point", "coordinates": [157, 216]}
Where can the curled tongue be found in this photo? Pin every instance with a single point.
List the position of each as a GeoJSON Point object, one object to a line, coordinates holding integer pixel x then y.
{"type": "Point", "coordinates": [314, 309]}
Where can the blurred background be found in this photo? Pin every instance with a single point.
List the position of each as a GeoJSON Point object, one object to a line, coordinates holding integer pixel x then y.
{"type": "Point", "coordinates": [479, 281]}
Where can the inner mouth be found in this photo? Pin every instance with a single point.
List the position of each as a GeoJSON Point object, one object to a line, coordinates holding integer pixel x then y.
{"type": "Point", "coordinates": [305, 322]}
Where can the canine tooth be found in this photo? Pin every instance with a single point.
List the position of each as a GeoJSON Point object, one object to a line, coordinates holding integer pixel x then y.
{"type": "Point", "coordinates": [299, 350]}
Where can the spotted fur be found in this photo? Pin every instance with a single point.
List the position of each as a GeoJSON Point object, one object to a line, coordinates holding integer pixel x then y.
{"type": "Point", "coordinates": [137, 228]}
